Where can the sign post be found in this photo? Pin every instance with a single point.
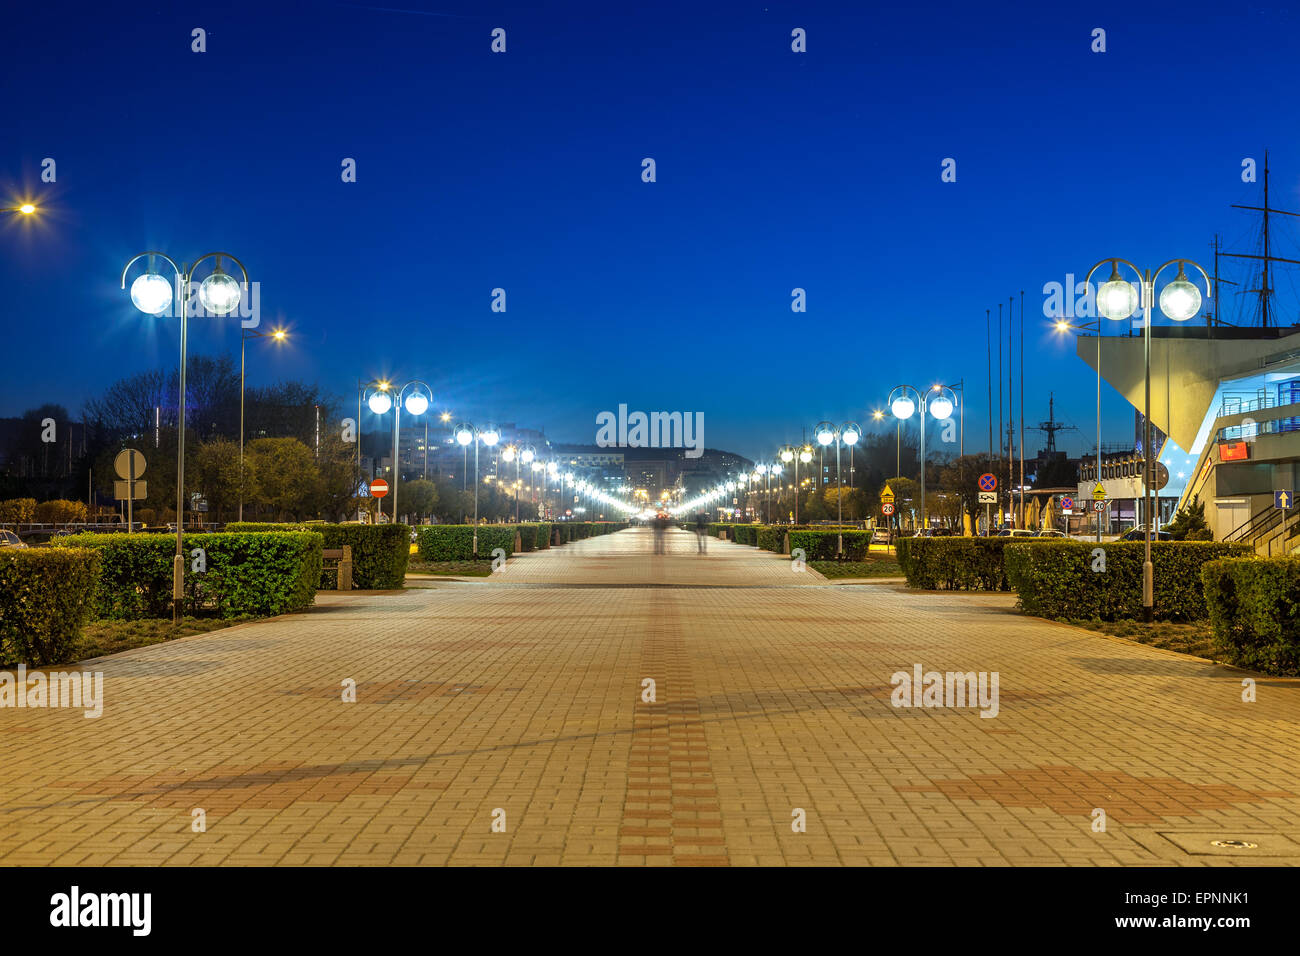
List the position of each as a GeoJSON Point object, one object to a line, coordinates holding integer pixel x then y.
{"type": "Point", "coordinates": [378, 489]}
{"type": "Point", "coordinates": [988, 496]}
{"type": "Point", "coordinates": [129, 465]}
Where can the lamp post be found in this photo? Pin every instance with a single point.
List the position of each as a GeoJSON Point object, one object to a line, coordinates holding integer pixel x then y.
{"type": "Point", "coordinates": [379, 402]}
{"type": "Point", "coordinates": [850, 434]}
{"type": "Point", "coordinates": [464, 434]}
{"type": "Point", "coordinates": [152, 294]}
{"type": "Point", "coordinates": [416, 403]}
{"type": "Point", "coordinates": [279, 335]}
{"type": "Point", "coordinates": [1063, 326]}
{"type": "Point", "coordinates": [1180, 300]}
{"type": "Point", "coordinates": [903, 407]}
{"type": "Point", "coordinates": [489, 436]}
{"type": "Point", "coordinates": [825, 433]}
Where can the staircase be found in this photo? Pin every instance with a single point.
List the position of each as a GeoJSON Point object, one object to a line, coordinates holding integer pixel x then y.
{"type": "Point", "coordinates": [1271, 531]}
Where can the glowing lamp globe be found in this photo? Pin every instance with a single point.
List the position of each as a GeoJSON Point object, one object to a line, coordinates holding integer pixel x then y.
{"type": "Point", "coordinates": [902, 407]}
{"type": "Point", "coordinates": [380, 402]}
{"type": "Point", "coordinates": [417, 403]}
{"type": "Point", "coordinates": [527, 455]}
{"type": "Point", "coordinates": [464, 435]}
{"type": "Point", "coordinates": [805, 456]}
{"type": "Point", "coordinates": [151, 293]}
{"type": "Point", "coordinates": [941, 407]}
{"type": "Point", "coordinates": [787, 456]}
{"type": "Point", "coordinates": [825, 438]}
{"type": "Point", "coordinates": [851, 436]}
{"type": "Point", "coordinates": [219, 293]}
{"type": "Point", "coordinates": [508, 454]}
{"type": "Point", "coordinates": [490, 436]}
{"type": "Point", "coordinates": [1117, 299]}
{"type": "Point", "coordinates": [1180, 300]}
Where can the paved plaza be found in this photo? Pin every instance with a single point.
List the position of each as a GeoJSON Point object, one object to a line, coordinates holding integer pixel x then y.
{"type": "Point", "coordinates": [517, 701]}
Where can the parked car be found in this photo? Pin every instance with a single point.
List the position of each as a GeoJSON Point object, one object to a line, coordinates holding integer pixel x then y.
{"type": "Point", "coordinates": [1015, 533]}
{"type": "Point", "coordinates": [933, 533]}
{"type": "Point", "coordinates": [1051, 533]}
{"type": "Point", "coordinates": [1140, 534]}
{"type": "Point", "coordinates": [881, 536]}
{"type": "Point", "coordinates": [10, 540]}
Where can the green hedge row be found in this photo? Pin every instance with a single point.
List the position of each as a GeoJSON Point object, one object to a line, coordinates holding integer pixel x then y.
{"type": "Point", "coordinates": [823, 545]}
{"type": "Point", "coordinates": [534, 536]}
{"type": "Point", "coordinates": [380, 552]}
{"type": "Point", "coordinates": [246, 573]}
{"type": "Point", "coordinates": [1068, 579]}
{"type": "Point", "coordinates": [455, 542]}
{"type": "Point", "coordinates": [968, 564]}
{"type": "Point", "coordinates": [46, 595]}
{"type": "Point", "coordinates": [1254, 605]}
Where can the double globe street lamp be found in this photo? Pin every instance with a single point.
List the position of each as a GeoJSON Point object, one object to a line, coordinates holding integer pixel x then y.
{"type": "Point", "coordinates": [153, 294]}
{"type": "Point", "coordinates": [489, 435]}
{"type": "Point", "coordinates": [847, 434]}
{"type": "Point", "coordinates": [1117, 300]}
{"type": "Point", "coordinates": [520, 456]}
{"type": "Point", "coordinates": [940, 403]}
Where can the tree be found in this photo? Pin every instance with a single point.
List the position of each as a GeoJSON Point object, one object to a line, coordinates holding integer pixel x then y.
{"type": "Point", "coordinates": [1190, 524]}
{"type": "Point", "coordinates": [285, 477]}
{"type": "Point", "coordinates": [419, 498]}
{"type": "Point", "coordinates": [213, 471]}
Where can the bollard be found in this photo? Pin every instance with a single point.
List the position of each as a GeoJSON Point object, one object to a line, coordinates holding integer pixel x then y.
{"type": "Point", "coordinates": [345, 569]}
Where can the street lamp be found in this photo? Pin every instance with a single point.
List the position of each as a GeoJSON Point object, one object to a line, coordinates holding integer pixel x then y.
{"type": "Point", "coordinates": [379, 402]}
{"type": "Point", "coordinates": [851, 434]}
{"type": "Point", "coordinates": [489, 436]}
{"type": "Point", "coordinates": [788, 455]}
{"type": "Point", "coordinates": [278, 336]}
{"type": "Point", "coordinates": [416, 403]}
{"type": "Point", "coordinates": [1063, 326]}
{"type": "Point", "coordinates": [23, 209]}
{"type": "Point", "coordinates": [903, 407]}
{"type": "Point", "coordinates": [1180, 300]}
{"type": "Point", "coordinates": [848, 433]}
{"type": "Point", "coordinates": [152, 293]}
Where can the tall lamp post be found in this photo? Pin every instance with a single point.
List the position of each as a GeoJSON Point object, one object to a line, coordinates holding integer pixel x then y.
{"type": "Point", "coordinates": [152, 294]}
{"type": "Point", "coordinates": [903, 407]}
{"type": "Point", "coordinates": [416, 403]}
{"type": "Point", "coordinates": [1063, 326]}
{"type": "Point", "coordinates": [379, 402]}
{"type": "Point", "coordinates": [1180, 300]}
{"type": "Point", "coordinates": [279, 335]}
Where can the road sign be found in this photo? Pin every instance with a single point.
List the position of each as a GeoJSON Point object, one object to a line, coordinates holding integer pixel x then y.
{"type": "Point", "coordinates": [129, 464]}
{"type": "Point", "coordinates": [887, 509]}
{"type": "Point", "coordinates": [988, 482]}
{"type": "Point", "coordinates": [378, 488]}
{"type": "Point", "coordinates": [988, 497]}
{"type": "Point", "coordinates": [1098, 492]}
{"type": "Point", "coordinates": [122, 492]}
{"type": "Point", "coordinates": [1283, 499]}
{"type": "Point", "coordinates": [1099, 505]}
{"type": "Point", "coordinates": [887, 495]}
{"type": "Point", "coordinates": [1159, 475]}
{"type": "Point", "coordinates": [1067, 503]}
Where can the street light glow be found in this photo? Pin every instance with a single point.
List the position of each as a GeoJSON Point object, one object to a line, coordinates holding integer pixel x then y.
{"type": "Point", "coordinates": [902, 407]}
{"type": "Point", "coordinates": [1180, 300]}
{"type": "Point", "coordinates": [380, 402]}
{"type": "Point", "coordinates": [26, 209]}
{"type": "Point", "coordinates": [151, 293]}
{"type": "Point", "coordinates": [219, 293]}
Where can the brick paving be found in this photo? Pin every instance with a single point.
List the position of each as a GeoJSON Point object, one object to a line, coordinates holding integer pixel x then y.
{"type": "Point", "coordinates": [518, 698]}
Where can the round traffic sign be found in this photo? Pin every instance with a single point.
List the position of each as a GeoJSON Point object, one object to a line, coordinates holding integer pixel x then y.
{"type": "Point", "coordinates": [1099, 505]}
{"type": "Point", "coordinates": [1159, 475]}
{"type": "Point", "coordinates": [887, 508]}
{"type": "Point", "coordinates": [126, 460]}
{"type": "Point", "coordinates": [1067, 503]}
{"type": "Point", "coordinates": [379, 488]}
{"type": "Point", "coordinates": [988, 482]}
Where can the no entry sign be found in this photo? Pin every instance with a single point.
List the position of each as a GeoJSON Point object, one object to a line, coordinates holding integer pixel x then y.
{"type": "Point", "coordinates": [379, 487]}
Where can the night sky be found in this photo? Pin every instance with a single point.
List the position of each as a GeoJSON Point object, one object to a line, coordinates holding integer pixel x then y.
{"type": "Point", "coordinates": [522, 171]}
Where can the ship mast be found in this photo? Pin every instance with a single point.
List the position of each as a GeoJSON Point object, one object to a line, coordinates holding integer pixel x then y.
{"type": "Point", "coordinates": [1265, 289]}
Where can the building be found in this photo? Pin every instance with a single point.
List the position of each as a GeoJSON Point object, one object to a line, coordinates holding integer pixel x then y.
{"type": "Point", "coordinates": [1227, 402]}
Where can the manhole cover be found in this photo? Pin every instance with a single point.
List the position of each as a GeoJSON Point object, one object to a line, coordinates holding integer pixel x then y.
{"type": "Point", "coordinates": [1234, 844]}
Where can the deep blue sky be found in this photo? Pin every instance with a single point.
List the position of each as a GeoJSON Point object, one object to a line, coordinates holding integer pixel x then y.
{"type": "Point", "coordinates": [775, 170]}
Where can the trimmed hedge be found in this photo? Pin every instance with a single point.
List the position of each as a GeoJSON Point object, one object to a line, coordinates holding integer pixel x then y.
{"type": "Point", "coordinates": [380, 552]}
{"type": "Point", "coordinates": [967, 564]}
{"type": "Point", "coordinates": [771, 537]}
{"type": "Point", "coordinates": [1055, 579]}
{"type": "Point", "coordinates": [46, 596]}
{"type": "Point", "coordinates": [1254, 606]}
{"type": "Point", "coordinates": [455, 542]}
{"type": "Point", "coordinates": [821, 545]}
{"type": "Point", "coordinates": [247, 573]}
